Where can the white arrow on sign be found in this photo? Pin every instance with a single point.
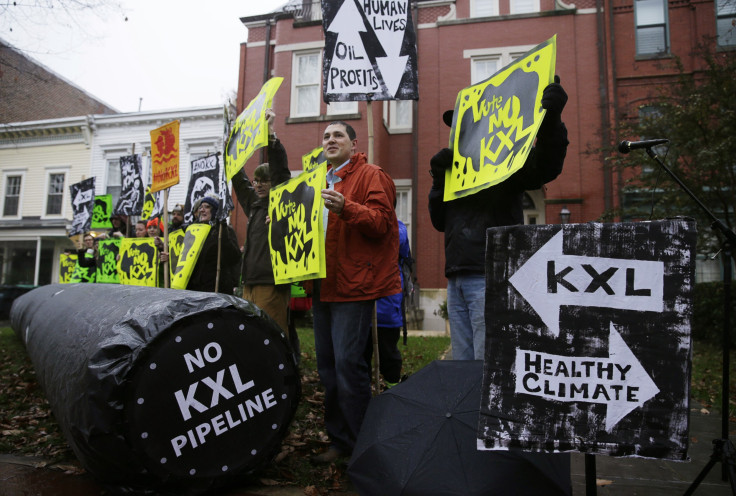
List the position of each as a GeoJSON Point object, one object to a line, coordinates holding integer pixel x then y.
{"type": "Point", "coordinates": [619, 381]}
{"type": "Point", "coordinates": [83, 196]}
{"type": "Point", "coordinates": [550, 279]}
{"type": "Point", "coordinates": [350, 69]}
{"type": "Point", "coordinates": [390, 27]}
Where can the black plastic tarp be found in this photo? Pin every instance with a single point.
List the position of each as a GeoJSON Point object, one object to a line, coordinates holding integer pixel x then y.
{"type": "Point", "coordinates": [160, 390]}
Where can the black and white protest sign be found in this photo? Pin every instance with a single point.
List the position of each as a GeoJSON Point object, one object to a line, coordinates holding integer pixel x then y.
{"type": "Point", "coordinates": [203, 180]}
{"type": "Point", "coordinates": [132, 191]}
{"type": "Point", "coordinates": [83, 203]}
{"type": "Point", "coordinates": [370, 51]}
{"type": "Point", "coordinates": [588, 338]}
{"type": "Point", "coordinates": [214, 398]}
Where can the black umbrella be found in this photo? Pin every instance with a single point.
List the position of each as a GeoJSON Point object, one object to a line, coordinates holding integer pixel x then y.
{"type": "Point", "coordinates": [419, 438]}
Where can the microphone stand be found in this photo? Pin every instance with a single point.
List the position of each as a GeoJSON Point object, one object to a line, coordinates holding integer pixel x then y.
{"type": "Point", "coordinates": [723, 450]}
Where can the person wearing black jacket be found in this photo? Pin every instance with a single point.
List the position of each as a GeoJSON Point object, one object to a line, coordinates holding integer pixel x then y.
{"type": "Point", "coordinates": [465, 220]}
{"type": "Point", "coordinates": [204, 274]}
{"type": "Point", "coordinates": [256, 269]}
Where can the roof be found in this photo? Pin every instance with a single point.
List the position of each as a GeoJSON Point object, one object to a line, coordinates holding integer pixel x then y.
{"type": "Point", "coordinates": [29, 91]}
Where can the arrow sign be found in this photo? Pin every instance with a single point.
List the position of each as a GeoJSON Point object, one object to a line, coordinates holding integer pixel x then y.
{"type": "Point", "coordinates": [350, 69]}
{"type": "Point", "coordinates": [550, 279]}
{"type": "Point", "coordinates": [619, 381]}
{"type": "Point", "coordinates": [83, 196]}
{"type": "Point", "coordinates": [389, 22]}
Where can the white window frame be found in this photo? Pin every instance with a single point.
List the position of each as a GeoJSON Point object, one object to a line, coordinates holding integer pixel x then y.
{"type": "Point", "coordinates": [55, 170]}
{"type": "Point", "coordinates": [13, 173]}
{"type": "Point", "coordinates": [295, 84]}
{"type": "Point", "coordinates": [640, 25]}
{"type": "Point", "coordinates": [725, 18]}
{"type": "Point", "coordinates": [523, 6]}
{"type": "Point", "coordinates": [504, 55]}
{"type": "Point", "coordinates": [390, 113]}
{"type": "Point", "coordinates": [404, 207]}
{"type": "Point", "coordinates": [342, 108]}
{"type": "Point", "coordinates": [484, 8]}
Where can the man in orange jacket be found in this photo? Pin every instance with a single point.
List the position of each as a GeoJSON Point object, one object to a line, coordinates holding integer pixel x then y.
{"type": "Point", "coordinates": [361, 249]}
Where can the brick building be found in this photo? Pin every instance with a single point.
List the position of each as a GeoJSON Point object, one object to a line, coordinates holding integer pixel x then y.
{"type": "Point", "coordinates": [611, 55]}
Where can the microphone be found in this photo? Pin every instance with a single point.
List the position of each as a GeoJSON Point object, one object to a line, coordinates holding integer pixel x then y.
{"type": "Point", "coordinates": [627, 146]}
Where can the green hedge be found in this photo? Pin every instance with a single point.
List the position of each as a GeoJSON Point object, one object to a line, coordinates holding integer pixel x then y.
{"type": "Point", "coordinates": [708, 313]}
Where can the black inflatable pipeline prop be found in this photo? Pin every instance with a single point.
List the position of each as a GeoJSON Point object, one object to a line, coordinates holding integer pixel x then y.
{"type": "Point", "coordinates": [160, 390]}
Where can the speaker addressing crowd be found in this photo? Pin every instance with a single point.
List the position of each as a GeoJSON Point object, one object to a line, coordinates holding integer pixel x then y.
{"type": "Point", "coordinates": [465, 220]}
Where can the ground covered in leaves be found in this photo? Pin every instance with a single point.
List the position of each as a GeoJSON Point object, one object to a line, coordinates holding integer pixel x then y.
{"type": "Point", "coordinates": [28, 427]}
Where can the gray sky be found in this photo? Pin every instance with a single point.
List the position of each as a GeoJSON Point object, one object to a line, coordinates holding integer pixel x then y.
{"type": "Point", "coordinates": [170, 53]}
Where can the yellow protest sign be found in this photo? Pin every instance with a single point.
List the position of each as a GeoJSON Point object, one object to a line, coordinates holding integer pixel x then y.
{"type": "Point", "coordinates": [313, 159]}
{"type": "Point", "coordinates": [191, 248]}
{"type": "Point", "coordinates": [250, 131]}
{"type": "Point", "coordinates": [138, 263]}
{"type": "Point", "coordinates": [495, 122]}
{"type": "Point", "coordinates": [176, 245]}
{"type": "Point", "coordinates": [165, 156]}
{"type": "Point", "coordinates": [67, 262]}
{"type": "Point", "coordinates": [296, 232]}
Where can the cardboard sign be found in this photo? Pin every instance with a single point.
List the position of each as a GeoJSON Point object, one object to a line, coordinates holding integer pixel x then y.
{"type": "Point", "coordinates": [250, 131]}
{"type": "Point", "coordinates": [132, 190]}
{"type": "Point", "coordinates": [138, 264]}
{"type": "Point", "coordinates": [370, 51]}
{"type": "Point", "coordinates": [83, 202]}
{"type": "Point", "coordinates": [588, 338]}
{"type": "Point", "coordinates": [67, 263]}
{"type": "Point", "coordinates": [203, 180]}
{"type": "Point", "coordinates": [313, 159]}
{"type": "Point", "coordinates": [194, 239]}
{"type": "Point", "coordinates": [102, 212]}
{"type": "Point", "coordinates": [107, 268]}
{"type": "Point", "coordinates": [165, 156]}
{"type": "Point", "coordinates": [495, 122]}
{"type": "Point", "coordinates": [296, 231]}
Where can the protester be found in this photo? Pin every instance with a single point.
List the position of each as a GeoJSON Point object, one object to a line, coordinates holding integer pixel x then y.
{"type": "Point", "coordinates": [119, 226]}
{"type": "Point", "coordinates": [390, 320]}
{"type": "Point", "coordinates": [361, 249]}
{"type": "Point", "coordinates": [205, 271]}
{"type": "Point", "coordinates": [257, 270]}
{"type": "Point", "coordinates": [177, 218]}
{"type": "Point", "coordinates": [465, 220]}
{"type": "Point", "coordinates": [140, 229]}
{"type": "Point", "coordinates": [87, 259]}
{"type": "Point", "coordinates": [154, 227]}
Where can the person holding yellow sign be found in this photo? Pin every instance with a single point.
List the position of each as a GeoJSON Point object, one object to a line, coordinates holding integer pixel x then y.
{"type": "Point", "coordinates": [256, 270]}
{"type": "Point", "coordinates": [465, 220]}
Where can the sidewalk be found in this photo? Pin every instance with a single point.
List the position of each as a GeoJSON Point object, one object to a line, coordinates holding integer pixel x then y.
{"type": "Point", "coordinates": [616, 476]}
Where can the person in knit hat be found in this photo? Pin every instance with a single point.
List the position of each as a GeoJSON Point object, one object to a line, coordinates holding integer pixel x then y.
{"type": "Point", "coordinates": [177, 218]}
{"type": "Point", "coordinates": [256, 270]}
{"type": "Point", "coordinates": [204, 275]}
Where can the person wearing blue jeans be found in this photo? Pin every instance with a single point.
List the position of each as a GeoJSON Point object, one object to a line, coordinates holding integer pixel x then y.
{"type": "Point", "coordinates": [361, 250]}
{"type": "Point", "coordinates": [465, 220]}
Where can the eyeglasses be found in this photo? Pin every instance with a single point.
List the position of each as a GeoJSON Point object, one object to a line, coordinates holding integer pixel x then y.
{"type": "Point", "coordinates": [256, 182]}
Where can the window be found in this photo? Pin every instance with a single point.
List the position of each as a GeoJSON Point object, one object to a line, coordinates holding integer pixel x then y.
{"type": "Point", "coordinates": [482, 68]}
{"type": "Point", "coordinates": [398, 116]}
{"type": "Point", "coordinates": [651, 27]}
{"type": "Point", "coordinates": [483, 8]}
{"type": "Point", "coordinates": [12, 195]}
{"type": "Point", "coordinates": [485, 62]}
{"type": "Point", "coordinates": [726, 22]}
{"type": "Point", "coordinates": [523, 6]}
{"type": "Point", "coordinates": [403, 203]}
{"type": "Point", "coordinates": [306, 79]}
{"type": "Point", "coordinates": [114, 180]}
{"type": "Point", "coordinates": [340, 108]}
{"type": "Point", "coordinates": [55, 197]}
